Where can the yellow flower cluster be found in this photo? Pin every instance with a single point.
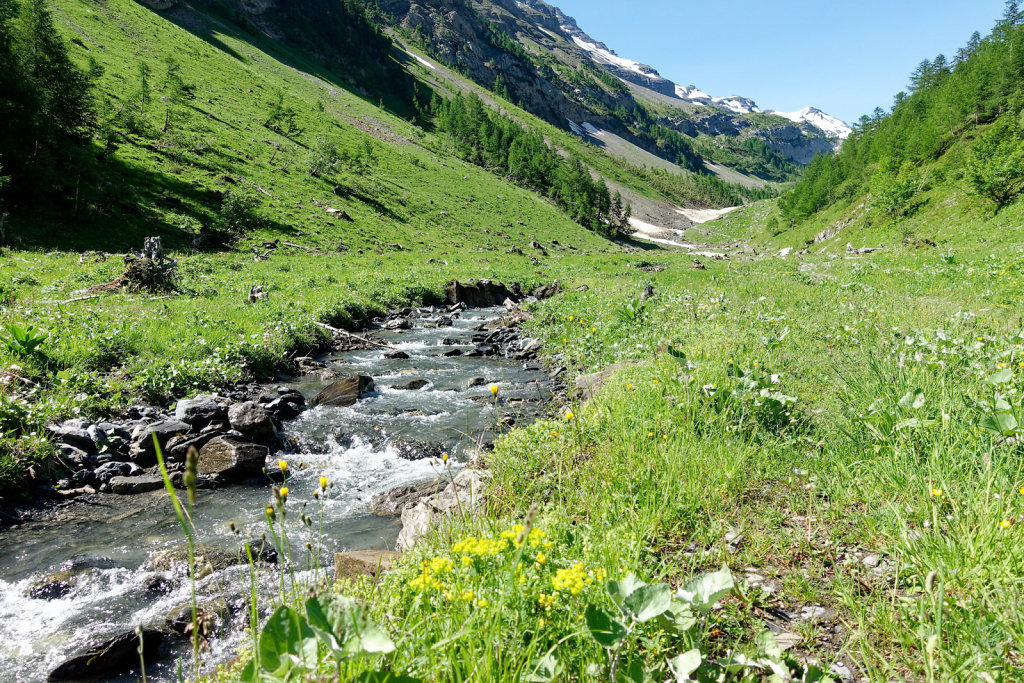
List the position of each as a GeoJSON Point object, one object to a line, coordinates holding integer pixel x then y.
{"type": "Point", "coordinates": [429, 572]}
{"type": "Point", "coordinates": [480, 547]}
{"type": "Point", "coordinates": [545, 600]}
{"type": "Point", "coordinates": [572, 580]}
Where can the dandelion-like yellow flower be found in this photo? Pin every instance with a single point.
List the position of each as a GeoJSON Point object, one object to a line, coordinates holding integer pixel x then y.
{"type": "Point", "coordinates": [569, 415]}
{"type": "Point", "coordinates": [482, 603]}
{"type": "Point", "coordinates": [283, 464]}
{"type": "Point", "coordinates": [541, 559]}
{"type": "Point", "coordinates": [937, 493]}
{"type": "Point", "coordinates": [494, 390]}
{"type": "Point", "coordinates": [270, 511]}
{"type": "Point", "coordinates": [981, 339]}
{"type": "Point", "coordinates": [323, 483]}
{"type": "Point", "coordinates": [1021, 491]}
{"type": "Point", "coordinates": [467, 596]}
{"type": "Point", "coordinates": [570, 318]}
{"type": "Point", "coordinates": [444, 457]}
{"type": "Point", "coordinates": [1006, 524]}
{"type": "Point", "coordinates": [284, 494]}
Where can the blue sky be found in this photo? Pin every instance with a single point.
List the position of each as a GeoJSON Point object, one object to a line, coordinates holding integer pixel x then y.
{"type": "Point", "coordinates": [843, 57]}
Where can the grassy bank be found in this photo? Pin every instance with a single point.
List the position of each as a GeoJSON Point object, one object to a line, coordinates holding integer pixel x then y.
{"type": "Point", "coordinates": [840, 433]}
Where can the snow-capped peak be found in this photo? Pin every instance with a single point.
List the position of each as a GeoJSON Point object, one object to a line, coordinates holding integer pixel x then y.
{"type": "Point", "coordinates": [691, 92]}
{"type": "Point", "coordinates": [819, 119]}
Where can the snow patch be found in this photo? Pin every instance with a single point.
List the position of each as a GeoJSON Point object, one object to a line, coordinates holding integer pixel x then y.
{"type": "Point", "coordinates": [691, 92]}
{"type": "Point", "coordinates": [653, 233]}
{"type": "Point", "coordinates": [421, 60]}
{"type": "Point", "coordinates": [592, 129]}
{"type": "Point", "coordinates": [736, 104]}
{"type": "Point", "coordinates": [704, 215]}
{"type": "Point", "coordinates": [820, 120]}
{"type": "Point", "coordinates": [606, 57]}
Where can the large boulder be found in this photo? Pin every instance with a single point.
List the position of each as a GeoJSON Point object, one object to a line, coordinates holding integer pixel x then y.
{"type": "Point", "coordinates": [232, 458]}
{"type": "Point", "coordinates": [201, 410]}
{"type": "Point", "coordinates": [358, 563]}
{"type": "Point", "coordinates": [548, 291]}
{"type": "Point", "coordinates": [465, 495]}
{"type": "Point", "coordinates": [111, 658]}
{"type": "Point", "coordinates": [345, 392]}
{"type": "Point", "coordinates": [253, 421]}
{"type": "Point", "coordinates": [143, 452]}
{"type": "Point", "coordinates": [74, 433]}
{"type": "Point", "coordinates": [393, 501]}
{"type": "Point", "coordinates": [133, 485]}
{"type": "Point", "coordinates": [482, 293]}
{"type": "Point", "coordinates": [208, 559]}
{"type": "Point", "coordinates": [588, 386]}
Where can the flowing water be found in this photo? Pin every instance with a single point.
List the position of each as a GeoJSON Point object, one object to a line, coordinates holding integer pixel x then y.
{"type": "Point", "coordinates": [104, 541]}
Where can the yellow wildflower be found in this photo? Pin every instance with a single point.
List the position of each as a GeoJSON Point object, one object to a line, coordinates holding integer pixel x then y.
{"type": "Point", "coordinates": [569, 415]}
{"type": "Point", "coordinates": [323, 483]}
{"type": "Point", "coordinates": [284, 494]}
{"type": "Point", "coordinates": [937, 493]}
{"type": "Point", "coordinates": [1006, 523]}
{"type": "Point", "coordinates": [494, 390]}
{"type": "Point", "coordinates": [283, 464]}
{"type": "Point", "coordinates": [541, 559]}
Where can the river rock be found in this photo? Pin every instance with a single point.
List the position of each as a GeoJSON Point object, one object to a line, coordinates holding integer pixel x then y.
{"type": "Point", "coordinates": [111, 658]}
{"type": "Point", "coordinates": [465, 495]}
{"type": "Point", "coordinates": [143, 452]}
{"type": "Point", "coordinates": [358, 563]}
{"type": "Point", "coordinates": [133, 485]}
{"type": "Point", "coordinates": [232, 458]}
{"type": "Point", "coordinates": [397, 355]}
{"type": "Point", "coordinates": [547, 291]}
{"type": "Point", "coordinates": [201, 410]}
{"type": "Point", "coordinates": [253, 421]}
{"type": "Point", "coordinates": [418, 450]}
{"type": "Point", "coordinates": [208, 559]}
{"type": "Point", "coordinates": [394, 501]}
{"type": "Point", "coordinates": [53, 586]}
{"type": "Point", "coordinates": [588, 386]}
{"type": "Point", "coordinates": [482, 293]}
{"type": "Point", "coordinates": [345, 392]}
{"type": "Point", "coordinates": [73, 433]}
{"type": "Point", "coordinates": [414, 385]}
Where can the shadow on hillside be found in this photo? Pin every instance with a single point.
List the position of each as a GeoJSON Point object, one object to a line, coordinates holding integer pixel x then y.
{"type": "Point", "coordinates": [118, 205]}
{"type": "Point", "coordinates": [204, 25]}
{"type": "Point", "coordinates": [640, 244]}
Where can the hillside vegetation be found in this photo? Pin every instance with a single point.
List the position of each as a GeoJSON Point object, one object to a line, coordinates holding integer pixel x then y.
{"type": "Point", "coordinates": [948, 153]}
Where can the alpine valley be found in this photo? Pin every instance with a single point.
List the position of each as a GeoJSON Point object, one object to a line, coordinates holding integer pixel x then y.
{"type": "Point", "coordinates": [433, 340]}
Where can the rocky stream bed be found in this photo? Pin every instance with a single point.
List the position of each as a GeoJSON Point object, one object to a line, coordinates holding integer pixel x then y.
{"type": "Point", "coordinates": [79, 577]}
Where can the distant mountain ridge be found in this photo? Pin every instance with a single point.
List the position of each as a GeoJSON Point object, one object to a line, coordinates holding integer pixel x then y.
{"type": "Point", "coordinates": [648, 77]}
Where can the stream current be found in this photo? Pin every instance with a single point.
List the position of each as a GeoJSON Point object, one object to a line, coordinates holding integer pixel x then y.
{"type": "Point", "coordinates": [103, 542]}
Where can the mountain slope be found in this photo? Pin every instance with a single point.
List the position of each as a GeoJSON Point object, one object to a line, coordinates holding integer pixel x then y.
{"type": "Point", "coordinates": [544, 62]}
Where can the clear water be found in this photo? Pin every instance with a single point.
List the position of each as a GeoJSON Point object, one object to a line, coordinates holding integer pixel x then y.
{"type": "Point", "coordinates": [110, 537]}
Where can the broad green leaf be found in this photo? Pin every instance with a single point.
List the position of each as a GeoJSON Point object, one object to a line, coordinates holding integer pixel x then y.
{"type": "Point", "coordinates": [685, 664]}
{"type": "Point", "coordinates": [912, 400]}
{"type": "Point", "coordinates": [620, 590]}
{"type": "Point", "coordinates": [374, 641]}
{"type": "Point", "coordinates": [606, 629]}
{"type": "Point", "coordinates": [647, 602]}
{"type": "Point", "coordinates": [280, 637]}
{"type": "Point", "coordinates": [1001, 377]}
{"type": "Point", "coordinates": [249, 673]}
{"type": "Point", "coordinates": [544, 669]}
{"type": "Point", "coordinates": [1001, 423]}
{"type": "Point", "coordinates": [768, 645]}
{"type": "Point", "coordinates": [678, 618]}
{"type": "Point", "coordinates": [704, 591]}
{"type": "Point", "coordinates": [634, 672]}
